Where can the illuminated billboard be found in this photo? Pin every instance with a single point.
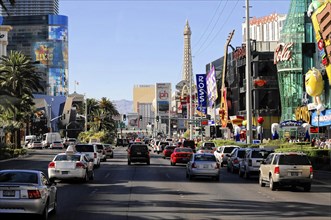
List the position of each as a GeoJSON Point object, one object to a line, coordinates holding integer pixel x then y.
{"type": "Point", "coordinates": [58, 33]}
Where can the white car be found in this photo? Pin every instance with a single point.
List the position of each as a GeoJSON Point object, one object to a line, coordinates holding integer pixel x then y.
{"type": "Point", "coordinates": [91, 151]}
{"type": "Point", "coordinates": [221, 153]}
{"type": "Point", "coordinates": [71, 165]}
{"type": "Point", "coordinates": [35, 145]}
{"type": "Point", "coordinates": [56, 145]}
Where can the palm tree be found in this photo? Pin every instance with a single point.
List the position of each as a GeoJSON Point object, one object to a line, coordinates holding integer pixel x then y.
{"type": "Point", "coordinates": [18, 80]}
{"type": "Point", "coordinates": [12, 2]}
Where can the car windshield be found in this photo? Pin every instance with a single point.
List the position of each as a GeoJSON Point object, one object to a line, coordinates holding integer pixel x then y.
{"type": "Point", "coordinates": [65, 157]}
{"type": "Point", "coordinates": [210, 145]}
{"type": "Point", "coordinates": [294, 159]}
{"type": "Point", "coordinates": [19, 177]}
{"type": "Point", "coordinates": [204, 157]}
{"type": "Point", "coordinates": [139, 148]}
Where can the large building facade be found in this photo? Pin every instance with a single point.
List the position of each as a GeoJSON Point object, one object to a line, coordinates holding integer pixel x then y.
{"type": "Point", "coordinates": [143, 98]}
{"type": "Point", "coordinates": [29, 7]}
{"type": "Point", "coordinates": [44, 38]}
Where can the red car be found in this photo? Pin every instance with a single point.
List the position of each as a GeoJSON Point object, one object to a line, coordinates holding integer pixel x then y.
{"type": "Point", "coordinates": [168, 150]}
{"type": "Point", "coordinates": [181, 155]}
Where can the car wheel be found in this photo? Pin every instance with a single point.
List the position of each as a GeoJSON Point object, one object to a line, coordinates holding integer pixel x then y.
{"type": "Point", "coordinates": [55, 205]}
{"type": "Point", "coordinates": [92, 175]}
{"type": "Point", "coordinates": [44, 215]}
{"type": "Point", "coordinates": [148, 162]}
{"type": "Point", "coordinates": [246, 175]}
{"type": "Point", "coordinates": [129, 162]}
{"type": "Point", "coordinates": [272, 184]}
{"type": "Point", "coordinates": [190, 177]}
{"type": "Point", "coordinates": [187, 175]}
{"type": "Point", "coordinates": [86, 177]}
{"type": "Point", "coordinates": [240, 173]}
{"type": "Point", "coordinates": [232, 169]}
{"type": "Point", "coordinates": [112, 156]}
{"type": "Point", "coordinates": [307, 187]}
{"type": "Point", "coordinates": [262, 184]}
{"type": "Point", "coordinates": [52, 180]}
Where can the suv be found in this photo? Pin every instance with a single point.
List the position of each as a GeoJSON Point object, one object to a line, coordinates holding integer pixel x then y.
{"type": "Point", "coordinates": [291, 168]}
{"type": "Point", "coordinates": [234, 159]}
{"type": "Point", "coordinates": [190, 144]}
{"type": "Point", "coordinates": [138, 153]}
{"type": "Point", "coordinates": [91, 151]}
{"type": "Point", "coordinates": [251, 162]}
{"type": "Point", "coordinates": [221, 153]}
{"type": "Point", "coordinates": [101, 151]}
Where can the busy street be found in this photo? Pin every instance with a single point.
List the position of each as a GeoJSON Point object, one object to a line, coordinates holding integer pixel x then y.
{"type": "Point", "coordinates": [161, 191]}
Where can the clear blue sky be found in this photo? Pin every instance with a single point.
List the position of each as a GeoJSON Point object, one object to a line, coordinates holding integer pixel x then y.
{"type": "Point", "coordinates": [114, 45]}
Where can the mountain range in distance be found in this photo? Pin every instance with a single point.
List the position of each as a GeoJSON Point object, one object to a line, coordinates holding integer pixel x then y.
{"type": "Point", "coordinates": [123, 106]}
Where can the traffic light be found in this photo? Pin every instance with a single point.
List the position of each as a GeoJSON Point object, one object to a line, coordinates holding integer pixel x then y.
{"type": "Point", "coordinates": [124, 117]}
{"type": "Point", "coordinates": [140, 117]}
{"type": "Point", "coordinates": [157, 118]}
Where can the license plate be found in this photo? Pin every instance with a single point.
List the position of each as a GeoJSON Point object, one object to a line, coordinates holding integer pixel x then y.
{"type": "Point", "coordinates": [8, 193]}
{"type": "Point", "coordinates": [138, 153]}
{"type": "Point", "coordinates": [294, 174]}
{"type": "Point", "coordinates": [65, 172]}
{"type": "Point", "coordinates": [205, 166]}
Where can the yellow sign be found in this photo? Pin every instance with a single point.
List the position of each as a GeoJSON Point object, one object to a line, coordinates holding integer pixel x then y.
{"type": "Point", "coordinates": [321, 19]}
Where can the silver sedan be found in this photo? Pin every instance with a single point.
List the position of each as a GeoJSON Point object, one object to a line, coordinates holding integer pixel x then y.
{"type": "Point", "coordinates": [27, 192]}
{"type": "Point", "coordinates": [203, 165]}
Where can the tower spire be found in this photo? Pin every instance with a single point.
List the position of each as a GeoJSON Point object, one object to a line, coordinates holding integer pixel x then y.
{"type": "Point", "coordinates": [187, 62]}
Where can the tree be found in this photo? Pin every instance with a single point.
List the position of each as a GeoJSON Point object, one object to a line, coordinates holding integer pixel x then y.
{"type": "Point", "coordinates": [12, 3]}
{"type": "Point", "coordinates": [18, 80]}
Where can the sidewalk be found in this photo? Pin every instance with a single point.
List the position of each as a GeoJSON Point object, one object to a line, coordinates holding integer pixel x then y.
{"type": "Point", "coordinates": [322, 177]}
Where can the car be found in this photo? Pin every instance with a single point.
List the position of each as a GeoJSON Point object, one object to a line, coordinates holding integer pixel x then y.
{"type": "Point", "coordinates": [180, 155]}
{"type": "Point", "coordinates": [71, 165]}
{"type": "Point", "coordinates": [161, 145]}
{"type": "Point", "coordinates": [234, 159]}
{"type": "Point", "coordinates": [251, 162]}
{"type": "Point", "coordinates": [56, 145]}
{"type": "Point", "coordinates": [203, 165]}
{"type": "Point", "coordinates": [209, 144]}
{"type": "Point", "coordinates": [122, 142]}
{"type": "Point", "coordinates": [91, 151]}
{"type": "Point", "coordinates": [190, 144]}
{"type": "Point", "coordinates": [109, 150]}
{"type": "Point", "coordinates": [27, 192]}
{"type": "Point", "coordinates": [69, 141]}
{"type": "Point", "coordinates": [35, 145]}
{"type": "Point", "coordinates": [155, 145]}
{"type": "Point", "coordinates": [168, 150]}
{"type": "Point", "coordinates": [206, 149]}
{"type": "Point", "coordinates": [101, 151]}
{"type": "Point", "coordinates": [221, 153]}
{"type": "Point", "coordinates": [138, 153]}
{"type": "Point", "coordinates": [290, 168]}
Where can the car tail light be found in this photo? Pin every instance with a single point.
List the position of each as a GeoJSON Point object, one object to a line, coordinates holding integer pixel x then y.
{"type": "Point", "coordinates": [222, 155]}
{"type": "Point", "coordinates": [194, 165]}
{"type": "Point", "coordinates": [34, 194]}
{"type": "Point", "coordinates": [276, 171]}
{"type": "Point", "coordinates": [249, 162]}
{"type": "Point", "coordinates": [80, 165]}
{"type": "Point", "coordinates": [235, 161]}
{"type": "Point", "coordinates": [51, 165]}
{"type": "Point", "coordinates": [311, 170]}
{"type": "Point", "coordinates": [95, 155]}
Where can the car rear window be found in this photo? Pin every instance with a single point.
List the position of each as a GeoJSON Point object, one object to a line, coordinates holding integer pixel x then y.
{"type": "Point", "coordinates": [187, 150]}
{"type": "Point", "coordinates": [19, 177]}
{"type": "Point", "coordinates": [260, 154]}
{"type": "Point", "coordinates": [293, 159]}
{"type": "Point", "coordinates": [170, 147]}
{"type": "Point", "coordinates": [67, 158]}
{"type": "Point", "coordinates": [204, 157]}
{"type": "Point", "coordinates": [210, 145]}
{"type": "Point", "coordinates": [241, 153]}
{"type": "Point", "coordinates": [139, 148]}
{"type": "Point", "coordinates": [207, 147]}
{"type": "Point", "coordinates": [99, 146]}
{"type": "Point", "coordinates": [84, 148]}
{"type": "Point", "coordinates": [228, 149]}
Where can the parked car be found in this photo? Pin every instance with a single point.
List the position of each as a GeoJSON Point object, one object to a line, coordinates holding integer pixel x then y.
{"type": "Point", "coordinates": [35, 145]}
{"type": "Point", "coordinates": [234, 159]}
{"type": "Point", "coordinates": [221, 153]}
{"type": "Point", "coordinates": [180, 155]}
{"type": "Point", "coordinates": [168, 150]}
{"type": "Point", "coordinates": [250, 164]}
{"type": "Point", "coordinates": [203, 165]}
{"type": "Point", "coordinates": [71, 165]}
{"type": "Point", "coordinates": [56, 145]}
{"type": "Point", "coordinates": [292, 168]}
{"type": "Point", "coordinates": [27, 192]}
{"type": "Point", "coordinates": [91, 151]}
{"type": "Point", "coordinates": [109, 150]}
{"type": "Point", "coordinates": [138, 153]}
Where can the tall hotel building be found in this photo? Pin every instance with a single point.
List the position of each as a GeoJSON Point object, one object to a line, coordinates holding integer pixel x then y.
{"type": "Point", "coordinates": [28, 7]}
{"type": "Point", "coordinates": [143, 99]}
{"type": "Point", "coordinates": [40, 33]}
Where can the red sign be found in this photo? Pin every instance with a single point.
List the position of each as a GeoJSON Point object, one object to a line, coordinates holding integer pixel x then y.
{"type": "Point", "coordinates": [283, 52]}
{"type": "Point", "coordinates": [204, 122]}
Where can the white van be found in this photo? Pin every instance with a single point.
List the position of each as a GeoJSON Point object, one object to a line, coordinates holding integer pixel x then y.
{"type": "Point", "coordinates": [50, 137]}
{"type": "Point", "coordinates": [29, 139]}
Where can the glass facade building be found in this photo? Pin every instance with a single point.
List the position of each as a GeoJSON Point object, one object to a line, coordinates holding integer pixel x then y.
{"type": "Point", "coordinates": [29, 7]}
{"type": "Point", "coordinates": [44, 38]}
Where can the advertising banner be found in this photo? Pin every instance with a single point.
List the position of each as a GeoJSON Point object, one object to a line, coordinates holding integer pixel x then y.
{"type": "Point", "coordinates": [58, 33]}
{"type": "Point", "coordinates": [163, 98]}
{"type": "Point", "coordinates": [211, 86]}
{"type": "Point", "coordinates": [51, 54]}
{"type": "Point", "coordinates": [323, 119]}
{"type": "Point", "coordinates": [202, 93]}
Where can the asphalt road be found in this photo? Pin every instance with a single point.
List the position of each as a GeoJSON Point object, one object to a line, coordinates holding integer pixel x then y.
{"type": "Point", "coordinates": [161, 191]}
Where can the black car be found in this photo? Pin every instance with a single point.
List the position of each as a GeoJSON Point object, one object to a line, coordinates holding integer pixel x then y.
{"type": "Point", "coordinates": [138, 153]}
{"type": "Point", "coordinates": [122, 142]}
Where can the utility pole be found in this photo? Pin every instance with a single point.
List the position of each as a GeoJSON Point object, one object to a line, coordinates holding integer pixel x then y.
{"type": "Point", "coordinates": [248, 80]}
